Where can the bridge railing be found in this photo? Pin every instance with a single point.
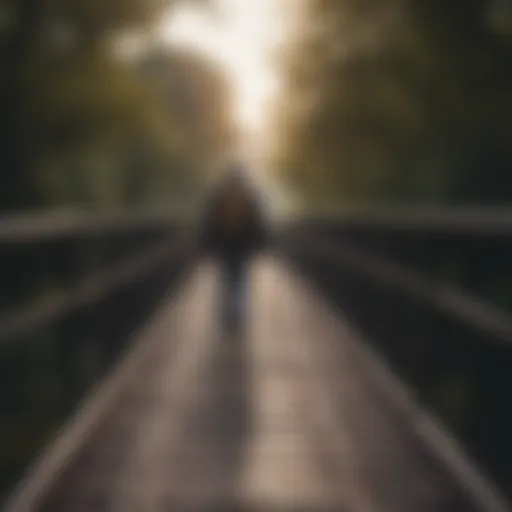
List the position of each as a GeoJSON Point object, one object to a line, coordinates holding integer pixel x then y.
{"type": "Point", "coordinates": [432, 290]}
{"type": "Point", "coordinates": [469, 248]}
{"type": "Point", "coordinates": [74, 287]}
{"type": "Point", "coordinates": [92, 283]}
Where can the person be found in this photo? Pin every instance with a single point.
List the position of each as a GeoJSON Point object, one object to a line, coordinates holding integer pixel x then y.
{"type": "Point", "coordinates": [233, 232]}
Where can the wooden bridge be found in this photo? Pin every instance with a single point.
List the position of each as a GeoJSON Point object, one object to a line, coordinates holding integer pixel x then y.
{"type": "Point", "coordinates": [318, 406]}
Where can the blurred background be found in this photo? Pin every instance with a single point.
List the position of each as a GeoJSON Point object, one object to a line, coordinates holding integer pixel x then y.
{"type": "Point", "coordinates": [401, 100]}
{"type": "Point", "coordinates": [132, 107]}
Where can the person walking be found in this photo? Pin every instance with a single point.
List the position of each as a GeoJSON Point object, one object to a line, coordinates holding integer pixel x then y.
{"type": "Point", "coordinates": [233, 232]}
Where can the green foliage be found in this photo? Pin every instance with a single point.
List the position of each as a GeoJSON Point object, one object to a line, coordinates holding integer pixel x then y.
{"type": "Point", "coordinates": [78, 126]}
{"type": "Point", "coordinates": [87, 110]}
{"type": "Point", "coordinates": [397, 100]}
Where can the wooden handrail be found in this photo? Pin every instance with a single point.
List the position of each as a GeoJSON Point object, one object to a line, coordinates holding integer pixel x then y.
{"type": "Point", "coordinates": [90, 290]}
{"type": "Point", "coordinates": [446, 299]}
{"type": "Point", "coordinates": [448, 220]}
{"type": "Point", "coordinates": [36, 227]}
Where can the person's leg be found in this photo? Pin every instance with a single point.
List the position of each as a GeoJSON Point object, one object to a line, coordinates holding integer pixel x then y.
{"type": "Point", "coordinates": [235, 294]}
{"type": "Point", "coordinates": [241, 290]}
{"type": "Point", "coordinates": [226, 292]}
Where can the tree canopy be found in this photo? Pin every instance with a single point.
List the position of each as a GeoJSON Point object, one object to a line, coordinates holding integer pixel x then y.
{"type": "Point", "coordinates": [398, 100]}
{"type": "Point", "coordinates": [79, 126]}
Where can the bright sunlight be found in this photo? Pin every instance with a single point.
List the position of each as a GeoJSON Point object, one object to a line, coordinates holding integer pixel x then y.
{"type": "Point", "coordinates": [239, 35]}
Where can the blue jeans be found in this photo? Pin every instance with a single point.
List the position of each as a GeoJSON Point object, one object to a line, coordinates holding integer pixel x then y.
{"type": "Point", "coordinates": [234, 293]}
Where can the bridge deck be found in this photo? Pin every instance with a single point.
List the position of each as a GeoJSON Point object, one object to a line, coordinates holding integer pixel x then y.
{"type": "Point", "coordinates": [289, 418]}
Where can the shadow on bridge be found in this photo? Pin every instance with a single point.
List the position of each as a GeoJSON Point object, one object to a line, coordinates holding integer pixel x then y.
{"type": "Point", "coordinates": [212, 451]}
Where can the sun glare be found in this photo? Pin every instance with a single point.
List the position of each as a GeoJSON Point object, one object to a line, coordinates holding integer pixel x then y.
{"type": "Point", "coordinates": [239, 38]}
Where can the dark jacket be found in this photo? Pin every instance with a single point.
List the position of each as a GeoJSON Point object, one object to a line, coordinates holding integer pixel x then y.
{"type": "Point", "coordinates": [249, 235]}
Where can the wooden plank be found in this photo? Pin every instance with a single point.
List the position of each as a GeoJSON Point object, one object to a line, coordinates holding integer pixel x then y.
{"type": "Point", "coordinates": [47, 474]}
{"type": "Point", "coordinates": [294, 414]}
{"type": "Point", "coordinates": [389, 454]}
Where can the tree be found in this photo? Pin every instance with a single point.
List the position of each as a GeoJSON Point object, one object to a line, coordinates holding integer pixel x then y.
{"type": "Point", "coordinates": [393, 99]}
{"type": "Point", "coordinates": [60, 83]}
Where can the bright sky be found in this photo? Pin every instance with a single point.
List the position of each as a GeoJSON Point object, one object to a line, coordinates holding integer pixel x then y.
{"type": "Point", "coordinates": [240, 38]}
